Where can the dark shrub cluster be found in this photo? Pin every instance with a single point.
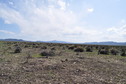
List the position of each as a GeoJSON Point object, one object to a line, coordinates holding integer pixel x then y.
{"type": "Point", "coordinates": [63, 48]}
{"type": "Point", "coordinates": [53, 48]}
{"type": "Point", "coordinates": [123, 54]}
{"type": "Point", "coordinates": [71, 47]}
{"type": "Point", "coordinates": [97, 47]}
{"type": "Point", "coordinates": [79, 50]}
{"type": "Point", "coordinates": [17, 50]}
{"type": "Point", "coordinates": [114, 51]}
{"type": "Point", "coordinates": [43, 47]}
{"type": "Point", "coordinates": [47, 53]}
{"type": "Point", "coordinates": [26, 46]}
{"type": "Point", "coordinates": [103, 51]}
{"type": "Point", "coordinates": [89, 49]}
{"type": "Point", "coordinates": [35, 46]}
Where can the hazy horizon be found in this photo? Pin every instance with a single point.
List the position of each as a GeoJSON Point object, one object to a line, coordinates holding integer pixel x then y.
{"type": "Point", "coordinates": [75, 21]}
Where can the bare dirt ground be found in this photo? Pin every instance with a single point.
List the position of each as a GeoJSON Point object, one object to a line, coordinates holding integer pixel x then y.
{"type": "Point", "coordinates": [66, 67]}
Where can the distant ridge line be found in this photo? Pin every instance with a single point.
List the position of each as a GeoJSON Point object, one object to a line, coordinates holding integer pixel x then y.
{"type": "Point", "coordinates": [55, 41]}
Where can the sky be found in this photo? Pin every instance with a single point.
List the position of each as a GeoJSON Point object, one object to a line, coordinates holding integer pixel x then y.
{"type": "Point", "coordinates": [63, 20]}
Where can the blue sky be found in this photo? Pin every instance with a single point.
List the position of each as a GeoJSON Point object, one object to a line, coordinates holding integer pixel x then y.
{"type": "Point", "coordinates": [65, 20]}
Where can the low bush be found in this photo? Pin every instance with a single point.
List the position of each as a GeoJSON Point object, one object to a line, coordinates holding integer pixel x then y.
{"type": "Point", "coordinates": [71, 47]}
{"type": "Point", "coordinates": [43, 47]}
{"type": "Point", "coordinates": [114, 51]}
{"type": "Point", "coordinates": [53, 48]}
{"type": "Point", "coordinates": [123, 54]}
{"type": "Point", "coordinates": [17, 50]}
{"type": "Point", "coordinates": [103, 51]}
{"type": "Point", "coordinates": [79, 50]}
{"type": "Point", "coordinates": [89, 49]}
{"type": "Point", "coordinates": [47, 53]}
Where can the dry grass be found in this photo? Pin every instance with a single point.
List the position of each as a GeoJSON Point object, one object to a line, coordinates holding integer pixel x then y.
{"type": "Point", "coordinates": [66, 67]}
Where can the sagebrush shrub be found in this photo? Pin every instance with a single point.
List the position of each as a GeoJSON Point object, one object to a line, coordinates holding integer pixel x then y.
{"type": "Point", "coordinates": [17, 50]}
{"type": "Point", "coordinates": [103, 51]}
{"type": "Point", "coordinates": [79, 50]}
{"type": "Point", "coordinates": [47, 53]}
{"type": "Point", "coordinates": [89, 49]}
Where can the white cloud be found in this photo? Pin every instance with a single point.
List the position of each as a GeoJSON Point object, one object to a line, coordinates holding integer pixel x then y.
{"type": "Point", "coordinates": [7, 32]}
{"type": "Point", "coordinates": [40, 22]}
{"type": "Point", "coordinates": [11, 3]}
{"type": "Point", "coordinates": [7, 22]}
{"type": "Point", "coordinates": [52, 21]}
{"type": "Point", "coordinates": [62, 4]}
{"type": "Point", "coordinates": [49, 22]}
{"type": "Point", "coordinates": [90, 10]}
{"type": "Point", "coordinates": [123, 21]}
{"type": "Point", "coordinates": [117, 33]}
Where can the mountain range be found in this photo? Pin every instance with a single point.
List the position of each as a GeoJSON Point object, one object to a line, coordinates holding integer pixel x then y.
{"type": "Point", "coordinates": [55, 41]}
